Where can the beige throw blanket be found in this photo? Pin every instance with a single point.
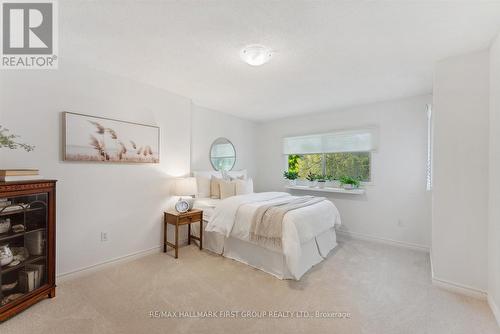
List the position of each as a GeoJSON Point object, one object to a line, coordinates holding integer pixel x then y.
{"type": "Point", "coordinates": [267, 222]}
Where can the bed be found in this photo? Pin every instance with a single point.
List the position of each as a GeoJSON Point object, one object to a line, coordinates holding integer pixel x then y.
{"type": "Point", "coordinates": [308, 233]}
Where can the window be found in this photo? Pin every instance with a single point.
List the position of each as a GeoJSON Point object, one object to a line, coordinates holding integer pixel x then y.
{"type": "Point", "coordinates": [336, 154]}
{"type": "Point", "coordinates": [335, 165]}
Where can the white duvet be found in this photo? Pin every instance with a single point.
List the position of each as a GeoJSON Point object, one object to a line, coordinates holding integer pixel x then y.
{"type": "Point", "coordinates": [232, 217]}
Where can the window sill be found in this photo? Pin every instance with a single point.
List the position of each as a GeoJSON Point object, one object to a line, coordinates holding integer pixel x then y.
{"type": "Point", "coordinates": [329, 190]}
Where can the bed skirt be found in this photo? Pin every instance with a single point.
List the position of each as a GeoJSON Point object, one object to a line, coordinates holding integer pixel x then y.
{"type": "Point", "coordinates": [272, 262]}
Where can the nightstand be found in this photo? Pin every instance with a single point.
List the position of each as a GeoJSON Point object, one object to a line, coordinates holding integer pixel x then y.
{"type": "Point", "coordinates": [178, 219]}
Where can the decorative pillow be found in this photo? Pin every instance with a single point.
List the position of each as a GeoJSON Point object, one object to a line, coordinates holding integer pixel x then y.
{"type": "Point", "coordinates": [227, 188]}
{"type": "Point", "coordinates": [215, 187]}
{"type": "Point", "coordinates": [203, 184]}
{"type": "Point", "coordinates": [244, 186]}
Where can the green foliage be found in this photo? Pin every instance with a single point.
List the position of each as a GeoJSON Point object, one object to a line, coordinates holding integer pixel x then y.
{"type": "Point", "coordinates": [353, 164]}
{"type": "Point", "coordinates": [309, 163]}
{"type": "Point", "coordinates": [8, 140]}
{"type": "Point", "coordinates": [349, 180]}
{"type": "Point", "coordinates": [290, 175]}
{"type": "Point", "coordinates": [356, 165]}
{"type": "Point", "coordinates": [293, 163]}
{"type": "Point", "coordinates": [320, 178]}
{"type": "Point", "coordinates": [311, 176]}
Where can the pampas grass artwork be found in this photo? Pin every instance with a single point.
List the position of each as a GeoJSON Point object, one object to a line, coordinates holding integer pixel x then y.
{"type": "Point", "coordinates": [89, 138]}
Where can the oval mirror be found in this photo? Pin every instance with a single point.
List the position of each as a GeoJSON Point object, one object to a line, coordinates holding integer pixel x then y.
{"type": "Point", "coordinates": [222, 154]}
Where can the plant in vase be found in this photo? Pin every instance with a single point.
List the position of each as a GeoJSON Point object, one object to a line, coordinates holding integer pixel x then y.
{"type": "Point", "coordinates": [330, 181]}
{"type": "Point", "coordinates": [349, 183]}
{"type": "Point", "coordinates": [311, 177]}
{"type": "Point", "coordinates": [321, 179]}
{"type": "Point", "coordinates": [291, 177]}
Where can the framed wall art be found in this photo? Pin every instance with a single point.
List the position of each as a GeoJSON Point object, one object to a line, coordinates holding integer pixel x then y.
{"type": "Point", "coordinates": [99, 139]}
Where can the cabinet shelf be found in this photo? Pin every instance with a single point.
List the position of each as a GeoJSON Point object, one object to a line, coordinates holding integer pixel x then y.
{"type": "Point", "coordinates": [32, 259]}
{"type": "Point", "coordinates": [13, 235]}
{"type": "Point", "coordinates": [13, 212]}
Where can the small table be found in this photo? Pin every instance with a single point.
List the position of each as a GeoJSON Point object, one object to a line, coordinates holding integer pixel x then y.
{"type": "Point", "coordinates": [178, 219]}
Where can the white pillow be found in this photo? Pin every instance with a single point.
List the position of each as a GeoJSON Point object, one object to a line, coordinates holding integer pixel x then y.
{"type": "Point", "coordinates": [227, 188]}
{"type": "Point", "coordinates": [224, 175]}
{"type": "Point", "coordinates": [203, 184]}
{"type": "Point", "coordinates": [215, 173]}
{"type": "Point", "coordinates": [238, 173]}
{"type": "Point", "coordinates": [244, 186]}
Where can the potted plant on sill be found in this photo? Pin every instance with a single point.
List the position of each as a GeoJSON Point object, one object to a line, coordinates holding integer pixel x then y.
{"type": "Point", "coordinates": [349, 183]}
{"type": "Point", "coordinates": [312, 179]}
{"type": "Point", "coordinates": [321, 179]}
{"type": "Point", "coordinates": [291, 177]}
{"type": "Point", "coordinates": [330, 181]}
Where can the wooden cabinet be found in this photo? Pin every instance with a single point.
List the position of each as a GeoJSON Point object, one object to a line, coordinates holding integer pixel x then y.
{"type": "Point", "coordinates": [27, 246]}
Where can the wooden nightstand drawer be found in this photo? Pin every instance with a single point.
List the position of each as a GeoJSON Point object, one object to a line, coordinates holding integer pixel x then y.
{"type": "Point", "coordinates": [190, 219]}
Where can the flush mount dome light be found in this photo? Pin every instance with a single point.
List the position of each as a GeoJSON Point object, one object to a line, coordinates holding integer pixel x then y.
{"type": "Point", "coordinates": [256, 54]}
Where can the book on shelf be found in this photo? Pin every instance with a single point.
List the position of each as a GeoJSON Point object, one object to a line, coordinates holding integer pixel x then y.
{"type": "Point", "coordinates": [7, 178]}
{"type": "Point", "coordinates": [18, 172]}
{"type": "Point", "coordinates": [27, 280]}
{"type": "Point", "coordinates": [39, 270]}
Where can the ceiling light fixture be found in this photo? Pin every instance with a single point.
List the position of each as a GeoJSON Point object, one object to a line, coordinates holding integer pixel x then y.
{"type": "Point", "coordinates": [256, 54]}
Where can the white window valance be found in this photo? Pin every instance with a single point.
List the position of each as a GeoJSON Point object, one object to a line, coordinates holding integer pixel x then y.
{"type": "Point", "coordinates": [359, 140]}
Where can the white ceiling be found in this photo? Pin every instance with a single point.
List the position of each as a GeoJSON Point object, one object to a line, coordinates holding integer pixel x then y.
{"type": "Point", "coordinates": [329, 54]}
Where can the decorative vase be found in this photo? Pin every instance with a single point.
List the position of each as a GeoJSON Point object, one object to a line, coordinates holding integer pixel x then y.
{"type": "Point", "coordinates": [6, 255]}
{"type": "Point", "coordinates": [35, 243]}
{"type": "Point", "coordinates": [349, 186]}
{"type": "Point", "coordinates": [292, 182]}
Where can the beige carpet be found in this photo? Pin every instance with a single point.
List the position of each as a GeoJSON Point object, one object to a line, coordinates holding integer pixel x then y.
{"type": "Point", "coordinates": [385, 290]}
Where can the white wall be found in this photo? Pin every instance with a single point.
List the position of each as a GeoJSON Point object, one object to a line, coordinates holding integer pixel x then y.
{"type": "Point", "coordinates": [460, 194]}
{"type": "Point", "coordinates": [494, 181]}
{"type": "Point", "coordinates": [208, 125]}
{"type": "Point", "coordinates": [396, 206]}
{"type": "Point", "coordinates": [125, 200]}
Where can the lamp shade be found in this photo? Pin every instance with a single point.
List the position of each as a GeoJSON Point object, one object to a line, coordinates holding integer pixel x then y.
{"type": "Point", "coordinates": [185, 186]}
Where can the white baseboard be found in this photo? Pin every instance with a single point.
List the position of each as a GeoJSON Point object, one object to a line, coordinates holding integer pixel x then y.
{"type": "Point", "coordinates": [368, 237]}
{"type": "Point", "coordinates": [456, 287]}
{"type": "Point", "coordinates": [459, 288]}
{"type": "Point", "coordinates": [108, 263]}
{"type": "Point", "coordinates": [494, 308]}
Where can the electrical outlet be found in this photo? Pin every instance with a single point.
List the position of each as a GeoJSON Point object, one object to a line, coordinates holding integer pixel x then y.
{"type": "Point", "coordinates": [104, 236]}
